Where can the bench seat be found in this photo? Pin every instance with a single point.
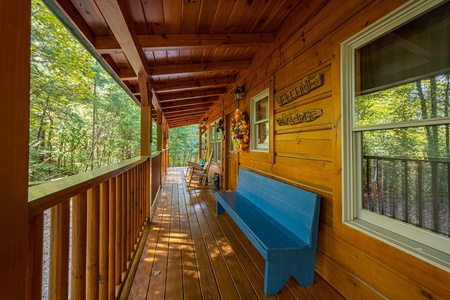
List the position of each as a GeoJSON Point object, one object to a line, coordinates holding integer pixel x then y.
{"type": "Point", "coordinates": [281, 221]}
{"type": "Point", "coordinates": [265, 232]}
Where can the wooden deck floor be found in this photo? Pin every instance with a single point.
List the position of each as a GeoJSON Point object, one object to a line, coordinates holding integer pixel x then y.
{"type": "Point", "coordinates": [192, 253]}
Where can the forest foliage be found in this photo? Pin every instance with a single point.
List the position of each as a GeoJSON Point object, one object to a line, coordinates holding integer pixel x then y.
{"type": "Point", "coordinates": [183, 145]}
{"type": "Point", "coordinates": [80, 118]}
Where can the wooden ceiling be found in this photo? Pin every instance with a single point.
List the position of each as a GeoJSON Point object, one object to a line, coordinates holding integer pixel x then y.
{"type": "Point", "coordinates": [185, 54]}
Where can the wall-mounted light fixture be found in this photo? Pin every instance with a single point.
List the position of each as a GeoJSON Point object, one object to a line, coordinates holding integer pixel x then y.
{"type": "Point", "coordinates": [238, 92]}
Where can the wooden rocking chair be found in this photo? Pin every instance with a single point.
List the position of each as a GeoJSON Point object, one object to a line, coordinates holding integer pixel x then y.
{"type": "Point", "coordinates": [195, 166]}
{"type": "Point", "coordinates": [199, 177]}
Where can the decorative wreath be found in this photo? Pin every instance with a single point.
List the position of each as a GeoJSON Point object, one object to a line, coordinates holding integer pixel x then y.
{"type": "Point", "coordinates": [240, 130]}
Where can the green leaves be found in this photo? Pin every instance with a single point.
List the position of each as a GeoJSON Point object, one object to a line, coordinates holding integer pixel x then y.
{"type": "Point", "coordinates": [65, 83]}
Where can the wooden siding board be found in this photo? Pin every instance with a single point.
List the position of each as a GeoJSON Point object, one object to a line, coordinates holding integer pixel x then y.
{"type": "Point", "coordinates": [391, 285]}
{"type": "Point", "coordinates": [348, 284]}
{"type": "Point", "coordinates": [315, 173]}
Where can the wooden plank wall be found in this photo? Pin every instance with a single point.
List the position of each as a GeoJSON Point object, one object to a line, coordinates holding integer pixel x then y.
{"type": "Point", "coordinates": [309, 154]}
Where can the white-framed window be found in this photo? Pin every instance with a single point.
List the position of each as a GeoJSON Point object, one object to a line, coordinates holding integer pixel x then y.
{"type": "Point", "coordinates": [396, 117]}
{"type": "Point", "coordinates": [259, 114]}
{"type": "Point", "coordinates": [215, 140]}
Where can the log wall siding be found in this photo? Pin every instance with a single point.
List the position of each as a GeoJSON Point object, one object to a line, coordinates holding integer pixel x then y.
{"type": "Point", "coordinates": [308, 155]}
{"type": "Point", "coordinates": [108, 209]}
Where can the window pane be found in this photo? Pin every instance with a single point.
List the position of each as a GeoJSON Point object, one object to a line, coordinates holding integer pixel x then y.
{"type": "Point", "coordinates": [262, 131]}
{"type": "Point", "coordinates": [418, 100]}
{"type": "Point", "coordinates": [406, 175]}
{"type": "Point", "coordinates": [262, 109]}
{"type": "Point", "coordinates": [416, 50]}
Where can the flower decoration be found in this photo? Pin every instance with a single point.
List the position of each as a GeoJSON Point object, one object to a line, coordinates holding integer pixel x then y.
{"type": "Point", "coordinates": [240, 130]}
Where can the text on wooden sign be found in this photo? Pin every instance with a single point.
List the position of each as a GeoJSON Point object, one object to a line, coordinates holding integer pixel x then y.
{"type": "Point", "coordinates": [299, 117]}
{"type": "Point", "coordinates": [308, 84]}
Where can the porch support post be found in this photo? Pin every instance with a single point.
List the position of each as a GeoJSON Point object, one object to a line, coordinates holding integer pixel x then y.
{"type": "Point", "coordinates": [14, 134]}
{"type": "Point", "coordinates": [146, 117]}
{"type": "Point", "coordinates": [200, 146]}
{"type": "Point", "coordinates": [146, 137]}
{"type": "Point", "coordinates": [159, 131]}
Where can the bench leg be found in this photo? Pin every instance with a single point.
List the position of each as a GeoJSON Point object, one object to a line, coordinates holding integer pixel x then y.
{"type": "Point", "coordinates": [303, 267]}
{"type": "Point", "coordinates": [277, 272]}
{"type": "Point", "coordinates": [219, 208]}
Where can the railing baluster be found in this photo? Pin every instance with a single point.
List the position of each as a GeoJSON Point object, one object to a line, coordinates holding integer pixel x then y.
{"type": "Point", "coordinates": [128, 225]}
{"type": "Point", "coordinates": [124, 243]}
{"type": "Point", "coordinates": [92, 274]}
{"type": "Point", "coordinates": [133, 207]}
{"type": "Point", "coordinates": [406, 192]}
{"type": "Point", "coordinates": [448, 198]}
{"type": "Point", "coordinates": [112, 240]}
{"type": "Point", "coordinates": [59, 251]}
{"type": "Point", "coordinates": [119, 247]}
{"type": "Point", "coordinates": [104, 240]}
{"type": "Point", "coordinates": [35, 257]}
{"type": "Point", "coordinates": [435, 195]}
{"type": "Point", "coordinates": [79, 230]}
{"type": "Point", "coordinates": [420, 192]}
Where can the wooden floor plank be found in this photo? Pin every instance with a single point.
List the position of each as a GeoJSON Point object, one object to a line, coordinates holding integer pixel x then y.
{"type": "Point", "coordinates": [222, 276]}
{"type": "Point", "coordinates": [192, 253]}
{"type": "Point", "coordinates": [157, 286]}
{"type": "Point", "coordinates": [238, 275]}
{"type": "Point", "coordinates": [142, 277]}
{"type": "Point", "coordinates": [207, 280]}
{"type": "Point", "coordinates": [174, 285]}
{"type": "Point", "coordinates": [191, 275]}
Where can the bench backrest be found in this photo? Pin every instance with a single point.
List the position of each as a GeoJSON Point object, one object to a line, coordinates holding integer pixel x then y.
{"type": "Point", "coordinates": [292, 207]}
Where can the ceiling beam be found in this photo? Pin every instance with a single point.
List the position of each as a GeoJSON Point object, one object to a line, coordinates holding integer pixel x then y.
{"type": "Point", "coordinates": [185, 114]}
{"type": "Point", "coordinates": [71, 11]}
{"type": "Point", "coordinates": [181, 103]}
{"type": "Point", "coordinates": [164, 42]}
{"type": "Point", "coordinates": [191, 95]}
{"type": "Point", "coordinates": [129, 74]}
{"type": "Point", "coordinates": [193, 84]}
{"type": "Point", "coordinates": [200, 68]}
{"type": "Point", "coordinates": [119, 21]}
{"type": "Point", "coordinates": [122, 28]}
{"type": "Point", "coordinates": [188, 108]}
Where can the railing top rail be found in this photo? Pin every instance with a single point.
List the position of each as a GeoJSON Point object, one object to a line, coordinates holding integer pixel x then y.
{"type": "Point", "coordinates": [47, 195]}
{"type": "Point", "coordinates": [443, 160]}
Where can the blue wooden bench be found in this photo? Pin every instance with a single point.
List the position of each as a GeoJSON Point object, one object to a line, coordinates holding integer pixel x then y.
{"type": "Point", "coordinates": [282, 223]}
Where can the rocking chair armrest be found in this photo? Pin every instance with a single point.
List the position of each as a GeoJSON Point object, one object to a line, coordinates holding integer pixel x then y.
{"type": "Point", "coordinates": [195, 165]}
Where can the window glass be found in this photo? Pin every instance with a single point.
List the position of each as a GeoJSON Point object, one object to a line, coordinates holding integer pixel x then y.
{"type": "Point", "coordinates": [404, 167]}
{"type": "Point", "coordinates": [260, 111]}
{"type": "Point", "coordinates": [215, 140]}
{"type": "Point", "coordinates": [396, 137]}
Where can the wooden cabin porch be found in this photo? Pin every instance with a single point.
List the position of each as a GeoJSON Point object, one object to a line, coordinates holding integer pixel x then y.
{"type": "Point", "coordinates": [192, 253]}
{"type": "Point", "coordinates": [182, 62]}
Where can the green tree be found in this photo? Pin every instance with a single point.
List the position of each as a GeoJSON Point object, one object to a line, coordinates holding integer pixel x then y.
{"type": "Point", "coordinates": [183, 145]}
{"type": "Point", "coordinates": [80, 118]}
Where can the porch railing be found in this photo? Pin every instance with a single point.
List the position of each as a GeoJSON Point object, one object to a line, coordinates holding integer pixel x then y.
{"type": "Point", "coordinates": [412, 191]}
{"type": "Point", "coordinates": [96, 222]}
